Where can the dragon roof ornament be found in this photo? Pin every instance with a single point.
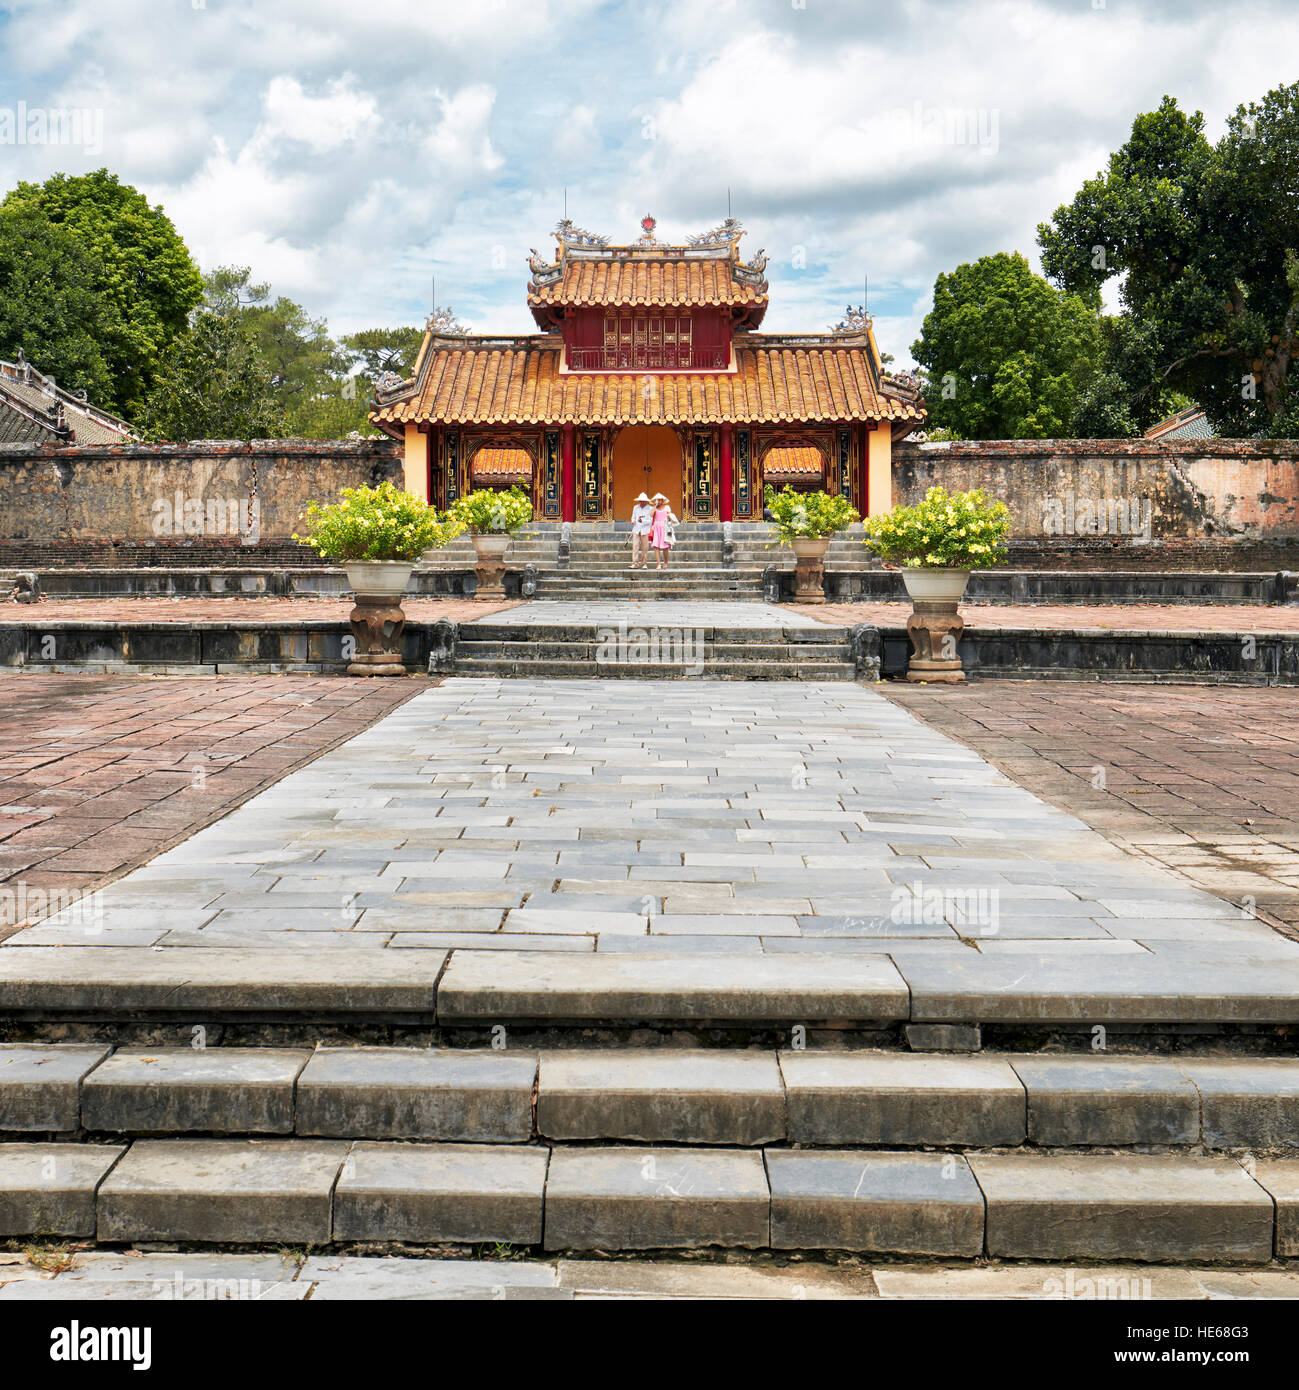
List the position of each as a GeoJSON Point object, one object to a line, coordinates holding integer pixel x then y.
{"type": "Point", "coordinates": [567, 233]}
{"type": "Point", "coordinates": [854, 321]}
{"type": "Point", "coordinates": [726, 234]}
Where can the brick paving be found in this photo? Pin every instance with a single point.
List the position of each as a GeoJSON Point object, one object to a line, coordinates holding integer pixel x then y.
{"type": "Point", "coordinates": [1128, 617]}
{"type": "Point", "coordinates": [220, 610]}
{"type": "Point", "coordinates": [1202, 779]}
{"type": "Point", "coordinates": [100, 773]}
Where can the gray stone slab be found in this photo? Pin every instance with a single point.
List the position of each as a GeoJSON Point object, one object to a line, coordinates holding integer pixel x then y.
{"type": "Point", "coordinates": [232, 1191]}
{"type": "Point", "coordinates": [1279, 1178]}
{"type": "Point", "coordinates": [413, 1093]}
{"type": "Point", "coordinates": [655, 1198]}
{"type": "Point", "coordinates": [1247, 1102]}
{"type": "Point", "coordinates": [1087, 1099]}
{"type": "Point", "coordinates": [733, 989]}
{"type": "Point", "coordinates": [351, 1277]}
{"type": "Point", "coordinates": [129, 979]}
{"type": "Point", "coordinates": [1128, 1207]}
{"type": "Point", "coordinates": [860, 1097]}
{"type": "Point", "coordinates": [885, 1203]}
{"type": "Point", "coordinates": [179, 1090]}
{"type": "Point", "coordinates": [682, 1279]}
{"type": "Point", "coordinates": [1114, 988]}
{"type": "Point", "coordinates": [49, 1189]}
{"type": "Point", "coordinates": [433, 1193]}
{"type": "Point", "coordinates": [661, 1095]}
{"type": "Point", "coordinates": [39, 1086]}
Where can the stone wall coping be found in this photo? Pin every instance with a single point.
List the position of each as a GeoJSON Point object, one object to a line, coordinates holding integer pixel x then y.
{"type": "Point", "coordinates": [1102, 448]}
{"type": "Point", "coordinates": [204, 448]}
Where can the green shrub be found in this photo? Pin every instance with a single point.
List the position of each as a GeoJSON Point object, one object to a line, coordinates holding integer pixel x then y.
{"type": "Point", "coordinates": [376, 523]}
{"type": "Point", "coordinates": [488, 512]}
{"type": "Point", "coordinates": [807, 515]}
{"type": "Point", "coordinates": [964, 531]}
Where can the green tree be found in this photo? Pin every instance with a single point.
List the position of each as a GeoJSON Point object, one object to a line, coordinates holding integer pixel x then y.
{"type": "Point", "coordinates": [1204, 238]}
{"type": "Point", "coordinates": [49, 306]}
{"type": "Point", "coordinates": [379, 350]}
{"type": "Point", "coordinates": [212, 383]}
{"type": "Point", "coordinates": [143, 274]}
{"type": "Point", "coordinates": [1004, 352]}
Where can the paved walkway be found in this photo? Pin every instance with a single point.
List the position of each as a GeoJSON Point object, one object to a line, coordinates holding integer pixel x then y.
{"type": "Point", "coordinates": [100, 773]}
{"type": "Point", "coordinates": [1127, 617]}
{"type": "Point", "coordinates": [107, 1276]}
{"type": "Point", "coordinates": [1202, 779]}
{"type": "Point", "coordinates": [660, 817]}
{"type": "Point", "coordinates": [187, 611]}
{"type": "Point", "coordinates": [660, 613]}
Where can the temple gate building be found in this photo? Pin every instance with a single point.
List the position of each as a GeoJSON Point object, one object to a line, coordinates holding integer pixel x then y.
{"type": "Point", "coordinates": [649, 373]}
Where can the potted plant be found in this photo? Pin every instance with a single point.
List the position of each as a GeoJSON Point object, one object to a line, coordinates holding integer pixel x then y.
{"type": "Point", "coordinates": [805, 521]}
{"type": "Point", "coordinates": [492, 517]}
{"type": "Point", "coordinates": [936, 543]}
{"type": "Point", "coordinates": [376, 534]}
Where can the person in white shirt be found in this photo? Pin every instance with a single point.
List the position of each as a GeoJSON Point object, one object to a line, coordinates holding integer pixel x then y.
{"type": "Point", "coordinates": [642, 523]}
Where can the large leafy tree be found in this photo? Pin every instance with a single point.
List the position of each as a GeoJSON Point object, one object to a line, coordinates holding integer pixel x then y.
{"type": "Point", "coordinates": [1205, 239]}
{"type": "Point", "coordinates": [379, 350]}
{"type": "Point", "coordinates": [1005, 353]}
{"type": "Point", "coordinates": [49, 306]}
{"type": "Point", "coordinates": [213, 383]}
{"type": "Point", "coordinates": [136, 264]}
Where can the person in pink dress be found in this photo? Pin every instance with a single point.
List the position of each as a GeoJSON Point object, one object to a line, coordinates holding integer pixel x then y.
{"type": "Point", "coordinates": [662, 532]}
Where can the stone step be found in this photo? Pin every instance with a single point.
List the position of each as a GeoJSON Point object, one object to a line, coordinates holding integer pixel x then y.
{"type": "Point", "coordinates": [546, 668]}
{"type": "Point", "coordinates": [322, 1192]}
{"type": "Point", "coordinates": [737, 1096]}
{"type": "Point", "coordinates": [692, 646]}
{"type": "Point", "coordinates": [44, 987]}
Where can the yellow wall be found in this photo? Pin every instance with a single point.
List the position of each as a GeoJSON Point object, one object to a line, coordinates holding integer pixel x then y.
{"type": "Point", "coordinates": [415, 464]}
{"type": "Point", "coordinates": [879, 464]}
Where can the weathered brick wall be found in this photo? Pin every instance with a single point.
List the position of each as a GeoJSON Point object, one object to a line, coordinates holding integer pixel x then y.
{"type": "Point", "coordinates": [1207, 501]}
{"type": "Point", "coordinates": [207, 496]}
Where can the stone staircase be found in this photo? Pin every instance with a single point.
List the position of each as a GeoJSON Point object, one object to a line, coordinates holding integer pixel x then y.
{"type": "Point", "coordinates": [558, 1102]}
{"type": "Point", "coordinates": [642, 651]}
{"type": "Point", "coordinates": [709, 561]}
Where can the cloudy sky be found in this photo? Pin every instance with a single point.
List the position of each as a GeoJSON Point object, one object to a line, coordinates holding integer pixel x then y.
{"type": "Point", "coordinates": [351, 151]}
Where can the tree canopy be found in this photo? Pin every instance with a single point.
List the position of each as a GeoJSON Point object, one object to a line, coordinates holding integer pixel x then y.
{"type": "Point", "coordinates": [1205, 239]}
{"type": "Point", "coordinates": [132, 261]}
{"type": "Point", "coordinates": [1005, 353]}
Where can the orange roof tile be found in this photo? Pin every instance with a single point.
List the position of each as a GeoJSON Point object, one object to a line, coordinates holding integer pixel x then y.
{"type": "Point", "coordinates": [648, 281]}
{"type": "Point", "coordinates": [521, 384]}
{"type": "Point", "coordinates": [793, 461]}
{"type": "Point", "coordinates": [501, 463]}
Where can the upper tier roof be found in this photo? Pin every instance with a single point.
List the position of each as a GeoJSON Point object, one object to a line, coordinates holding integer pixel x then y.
{"type": "Point", "coordinates": [705, 273]}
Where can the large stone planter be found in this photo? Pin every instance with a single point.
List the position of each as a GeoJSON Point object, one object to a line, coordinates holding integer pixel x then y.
{"type": "Point", "coordinates": [935, 625]}
{"type": "Point", "coordinates": [490, 569]}
{"type": "Point", "coordinates": [376, 619]}
{"type": "Point", "coordinates": [809, 569]}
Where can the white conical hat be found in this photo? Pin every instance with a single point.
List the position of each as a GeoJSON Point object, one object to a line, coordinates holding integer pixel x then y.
{"type": "Point", "coordinates": [642, 498]}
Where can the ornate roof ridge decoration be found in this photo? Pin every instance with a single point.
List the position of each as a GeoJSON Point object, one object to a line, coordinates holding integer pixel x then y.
{"type": "Point", "coordinates": [647, 238]}
{"type": "Point", "coordinates": [567, 233]}
{"type": "Point", "coordinates": [854, 321]}
{"type": "Point", "coordinates": [910, 383]}
{"type": "Point", "coordinates": [727, 234]}
{"type": "Point", "coordinates": [544, 272]}
{"type": "Point", "coordinates": [754, 272]}
{"type": "Point", "coordinates": [442, 323]}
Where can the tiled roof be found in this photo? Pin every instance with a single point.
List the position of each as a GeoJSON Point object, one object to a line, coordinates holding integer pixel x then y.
{"type": "Point", "coordinates": [29, 412]}
{"type": "Point", "coordinates": [519, 382]}
{"type": "Point", "coordinates": [657, 281]}
{"type": "Point", "coordinates": [501, 463]}
{"type": "Point", "coordinates": [797, 461]}
{"type": "Point", "coordinates": [1191, 423]}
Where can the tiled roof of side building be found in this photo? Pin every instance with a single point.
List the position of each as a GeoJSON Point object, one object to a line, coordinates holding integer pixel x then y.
{"type": "Point", "coordinates": [520, 382]}
{"type": "Point", "coordinates": [34, 409]}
